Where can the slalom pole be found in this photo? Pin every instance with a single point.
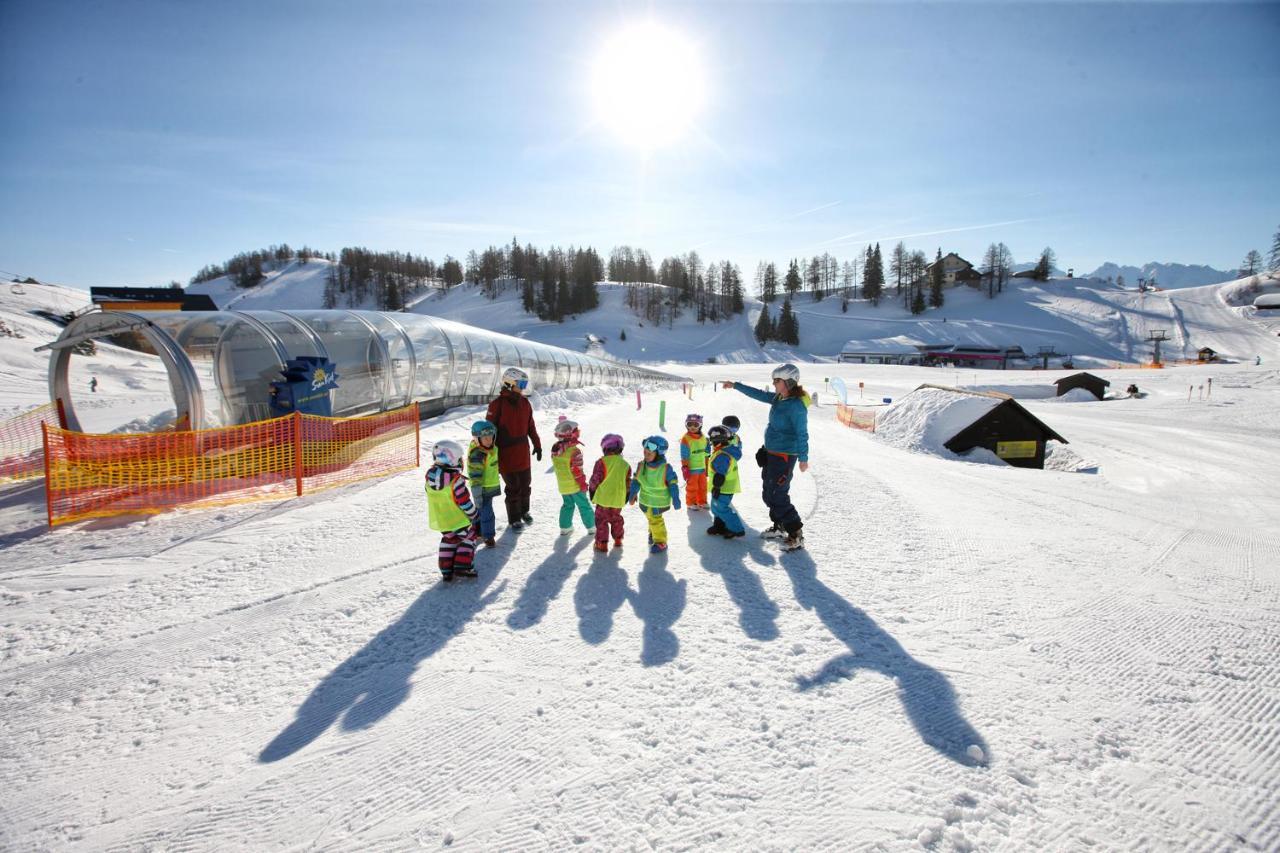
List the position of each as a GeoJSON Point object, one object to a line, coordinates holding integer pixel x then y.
{"type": "Point", "coordinates": [637, 399]}
{"type": "Point", "coordinates": [662, 416]}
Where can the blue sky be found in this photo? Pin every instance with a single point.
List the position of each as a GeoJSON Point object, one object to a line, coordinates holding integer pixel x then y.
{"type": "Point", "coordinates": [144, 140]}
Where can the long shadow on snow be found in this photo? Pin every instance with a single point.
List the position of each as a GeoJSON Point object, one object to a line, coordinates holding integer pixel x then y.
{"type": "Point", "coordinates": [600, 593]}
{"type": "Point", "coordinates": [545, 583]}
{"type": "Point", "coordinates": [925, 693]}
{"type": "Point", "coordinates": [370, 684]}
{"type": "Point", "coordinates": [658, 602]}
{"type": "Point", "coordinates": [757, 613]}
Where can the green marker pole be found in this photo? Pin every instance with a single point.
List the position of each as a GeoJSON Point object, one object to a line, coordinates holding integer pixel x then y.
{"type": "Point", "coordinates": [662, 416]}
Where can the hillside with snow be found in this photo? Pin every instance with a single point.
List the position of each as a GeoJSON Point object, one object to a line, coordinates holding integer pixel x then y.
{"type": "Point", "coordinates": [1094, 323]}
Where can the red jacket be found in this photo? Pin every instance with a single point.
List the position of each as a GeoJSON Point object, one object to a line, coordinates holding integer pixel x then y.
{"type": "Point", "coordinates": [511, 413]}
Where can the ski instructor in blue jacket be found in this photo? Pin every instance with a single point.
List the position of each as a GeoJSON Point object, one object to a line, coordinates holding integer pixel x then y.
{"type": "Point", "coordinates": [786, 442]}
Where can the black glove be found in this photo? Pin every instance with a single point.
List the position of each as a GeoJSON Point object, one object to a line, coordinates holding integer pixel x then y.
{"type": "Point", "coordinates": [715, 493]}
{"type": "Point", "coordinates": [762, 456]}
{"type": "Point", "coordinates": [537, 451]}
{"type": "Point", "coordinates": [591, 493]}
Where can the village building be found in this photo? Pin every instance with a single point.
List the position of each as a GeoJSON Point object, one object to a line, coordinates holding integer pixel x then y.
{"type": "Point", "coordinates": [1095, 385]}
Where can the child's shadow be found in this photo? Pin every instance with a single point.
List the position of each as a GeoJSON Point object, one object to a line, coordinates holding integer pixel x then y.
{"type": "Point", "coordinates": [545, 583]}
{"type": "Point", "coordinates": [370, 684]}
{"type": "Point", "coordinates": [757, 613]}
{"type": "Point", "coordinates": [658, 601]}
{"type": "Point", "coordinates": [599, 594]}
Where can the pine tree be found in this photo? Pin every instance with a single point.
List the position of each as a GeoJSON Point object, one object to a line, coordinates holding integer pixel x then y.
{"type": "Point", "coordinates": [1044, 267]}
{"type": "Point", "coordinates": [898, 265]}
{"type": "Point", "coordinates": [813, 277]}
{"type": "Point", "coordinates": [733, 287]}
{"type": "Point", "coordinates": [873, 277]}
{"type": "Point", "coordinates": [917, 301]}
{"type": "Point", "coordinates": [764, 326]}
{"type": "Point", "coordinates": [788, 326]}
{"type": "Point", "coordinates": [769, 291]}
{"type": "Point", "coordinates": [1273, 257]}
{"type": "Point", "coordinates": [792, 282]}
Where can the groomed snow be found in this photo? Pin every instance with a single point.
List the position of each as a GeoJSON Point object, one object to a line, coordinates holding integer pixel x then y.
{"type": "Point", "coordinates": [965, 657]}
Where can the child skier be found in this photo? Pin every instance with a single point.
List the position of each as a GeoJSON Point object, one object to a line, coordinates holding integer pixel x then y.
{"type": "Point", "coordinates": [451, 511]}
{"type": "Point", "coordinates": [482, 469]}
{"type": "Point", "coordinates": [694, 449]}
{"type": "Point", "coordinates": [609, 486]}
{"type": "Point", "coordinates": [566, 458]}
{"type": "Point", "coordinates": [657, 489]}
{"type": "Point", "coordinates": [724, 483]}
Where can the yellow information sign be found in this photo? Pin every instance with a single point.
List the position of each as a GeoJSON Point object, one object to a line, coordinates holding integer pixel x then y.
{"type": "Point", "coordinates": [1016, 449]}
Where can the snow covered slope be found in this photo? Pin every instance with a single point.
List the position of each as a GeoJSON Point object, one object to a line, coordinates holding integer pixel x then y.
{"type": "Point", "coordinates": [1097, 324]}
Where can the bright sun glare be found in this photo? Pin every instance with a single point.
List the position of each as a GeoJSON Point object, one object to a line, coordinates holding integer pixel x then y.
{"type": "Point", "coordinates": [648, 85]}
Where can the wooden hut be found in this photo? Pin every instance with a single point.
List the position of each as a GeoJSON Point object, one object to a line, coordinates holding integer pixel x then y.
{"type": "Point", "coordinates": [991, 420]}
{"type": "Point", "coordinates": [1095, 385]}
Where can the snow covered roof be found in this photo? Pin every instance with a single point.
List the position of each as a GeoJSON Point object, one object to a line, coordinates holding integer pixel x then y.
{"type": "Point", "coordinates": [930, 416]}
{"type": "Point", "coordinates": [896, 345]}
{"type": "Point", "coordinates": [1267, 300]}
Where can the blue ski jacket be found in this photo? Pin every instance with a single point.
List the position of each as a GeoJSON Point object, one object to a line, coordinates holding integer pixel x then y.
{"type": "Point", "coordinates": [788, 429]}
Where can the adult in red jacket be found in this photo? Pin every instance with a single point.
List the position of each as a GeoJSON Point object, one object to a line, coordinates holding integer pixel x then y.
{"type": "Point", "coordinates": [511, 413]}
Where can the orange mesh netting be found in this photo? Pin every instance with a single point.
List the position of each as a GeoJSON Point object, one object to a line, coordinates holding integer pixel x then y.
{"type": "Point", "coordinates": [21, 445]}
{"type": "Point", "coordinates": [93, 476]}
{"type": "Point", "coordinates": [856, 418]}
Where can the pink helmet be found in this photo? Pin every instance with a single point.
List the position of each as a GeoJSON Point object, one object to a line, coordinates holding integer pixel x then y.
{"type": "Point", "coordinates": [612, 443]}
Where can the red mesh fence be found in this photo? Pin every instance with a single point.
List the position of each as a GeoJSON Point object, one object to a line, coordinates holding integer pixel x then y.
{"type": "Point", "coordinates": [21, 446]}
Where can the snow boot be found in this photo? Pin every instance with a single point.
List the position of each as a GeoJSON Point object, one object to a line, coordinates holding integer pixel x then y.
{"type": "Point", "coordinates": [793, 542]}
{"type": "Point", "coordinates": [774, 532]}
{"type": "Point", "coordinates": [602, 547]}
{"type": "Point", "coordinates": [527, 518]}
{"type": "Point", "coordinates": [566, 531]}
{"type": "Point", "coordinates": [717, 528]}
{"type": "Point", "coordinates": [490, 543]}
{"type": "Point", "coordinates": [516, 525]}
{"type": "Point", "coordinates": [617, 543]}
{"type": "Point", "coordinates": [729, 534]}
{"type": "Point", "coordinates": [658, 548]}
{"type": "Point", "coordinates": [447, 577]}
{"type": "Point", "coordinates": [467, 572]}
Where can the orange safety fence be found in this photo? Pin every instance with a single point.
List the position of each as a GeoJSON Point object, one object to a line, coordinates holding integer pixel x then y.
{"type": "Point", "coordinates": [96, 476]}
{"type": "Point", "coordinates": [856, 418]}
{"type": "Point", "coordinates": [21, 447]}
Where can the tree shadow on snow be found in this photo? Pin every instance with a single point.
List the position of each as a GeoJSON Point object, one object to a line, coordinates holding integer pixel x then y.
{"type": "Point", "coordinates": [370, 684]}
{"type": "Point", "coordinates": [757, 613]}
{"type": "Point", "coordinates": [658, 602]}
{"type": "Point", "coordinates": [545, 583]}
{"type": "Point", "coordinates": [600, 593]}
{"type": "Point", "coordinates": [926, 694]}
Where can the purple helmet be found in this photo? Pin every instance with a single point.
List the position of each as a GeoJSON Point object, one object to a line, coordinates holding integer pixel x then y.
{"type": "Point", "coordinates": [612, 443]}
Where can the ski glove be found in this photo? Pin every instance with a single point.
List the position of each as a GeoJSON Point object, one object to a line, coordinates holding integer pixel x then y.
{"type": "Point", "coordinates": [537, 451]}
{"type": "Point", "coordinates": [684, 472]}
{"type": "Point", "coordinates": [762, 456]}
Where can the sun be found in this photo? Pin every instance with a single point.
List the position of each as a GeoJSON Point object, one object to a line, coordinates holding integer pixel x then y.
{"type": "Point", "coordinates": [648, 85]}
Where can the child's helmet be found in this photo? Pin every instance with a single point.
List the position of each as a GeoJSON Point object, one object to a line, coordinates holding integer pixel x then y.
{"type": "Point", "coordinates": [515, 379]}
{"type": "Point", "coordinates": [656, 443]}
{"type": "Point", "coordinates": [612, 442]}
{"type": "Point", "coordinates": [720, 434]}
{"type": "Point", "coordinates": [788, 373]}
{"type": "Point", "coordinates": [693, 421]}
{"type": "Point", "coordinates": [483, 428]}
{"type": "Point", "coordinates": [566, 429]}
{"type": "Point", "coordinates": [447, 453]}
{"type": "Point", "coordinates": [732, 422]}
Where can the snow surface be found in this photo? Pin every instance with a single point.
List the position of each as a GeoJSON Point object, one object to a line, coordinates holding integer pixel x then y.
{"type": "Point", "coordinates": [965, 657]}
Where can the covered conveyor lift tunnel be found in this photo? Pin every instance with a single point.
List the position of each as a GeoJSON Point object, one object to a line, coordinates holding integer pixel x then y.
{"type": "Point", "coordinates": [221, 364]}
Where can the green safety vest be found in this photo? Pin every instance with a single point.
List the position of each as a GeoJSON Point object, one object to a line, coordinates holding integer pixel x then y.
{"type": "Point", "coordinates": [653, 485]}
{"type": "Point", "coordinates": [732, 485]}
{"type": "Point", "coordinates": [697, 453]}
{"type": "Point", "coordinates": [564, 474]}
{"type": "Point", "coordinates": [612, 491]}
{"type": "Point", "coordinates": [443, 513]}
{"type": "Point", "coordinates": [488, 475]}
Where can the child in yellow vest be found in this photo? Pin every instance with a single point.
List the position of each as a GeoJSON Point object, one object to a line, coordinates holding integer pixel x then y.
{"type": "Point", "coordinates": [566, 458]}
{"type": "Point", "coordinates": [694, 450]}
{"type": "Point", "coordinates": [482, 470]}
{"type": "Point", "coordinates": [656, 488]}
{"type": "Point", "coordinates": [451, 511]}
{"type": "Point", "coordinates": [609, 485]}
{"type": "Point", "coordinates": [725, 483]}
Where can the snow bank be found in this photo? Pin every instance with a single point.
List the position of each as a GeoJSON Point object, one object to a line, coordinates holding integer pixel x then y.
{"type": "Point", "coordinates": [1075, 395]}
{"type": "Point", "coordinates": [927, 418]}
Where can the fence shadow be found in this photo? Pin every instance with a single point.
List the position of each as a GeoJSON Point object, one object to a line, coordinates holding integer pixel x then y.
{"type": "Point", "coordinates": [658, 601]}
{"type": "Point", "coordinates": [600, 593]}
{"type": "Point", "coordinates": [926, 695]}
{"type": "Point", "coordinates": [368, 686]}
{"type": "Point", "coordinates": [545, 583]}
{"type": "Point", "coordinates": [757, 613]}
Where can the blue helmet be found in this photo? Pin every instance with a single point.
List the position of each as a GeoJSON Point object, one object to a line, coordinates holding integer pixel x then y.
{"type": "Point", "coordinates": [480, 428]}
{"type": "Point", "coordinates": [656, 443]}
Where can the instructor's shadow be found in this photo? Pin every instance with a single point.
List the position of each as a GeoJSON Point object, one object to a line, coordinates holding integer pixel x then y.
{"type": "Point", "coordinates": [757, 613]}
{"type": "Point", "coordinates": [370, 684]}
{"type": "Point", "coordinates": [926, 695]}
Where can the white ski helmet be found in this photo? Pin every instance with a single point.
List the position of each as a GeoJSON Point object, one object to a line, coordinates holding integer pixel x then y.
{"type": "Point", "coordinates": [515, 378]}
{"type": "Point", "coordinates": [789, 373]}
{"type": "Point", "coordinates": [566, 428]}
{"type": "Point", "coordinates": [447, 453]}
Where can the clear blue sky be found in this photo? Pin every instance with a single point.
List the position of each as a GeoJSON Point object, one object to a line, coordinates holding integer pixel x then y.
{"type": "Point", "coordinates": [143, 140]}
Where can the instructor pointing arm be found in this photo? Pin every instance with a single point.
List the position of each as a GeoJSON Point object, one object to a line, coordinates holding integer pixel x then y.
{"type": "Point", "coordinates": [786, 442]}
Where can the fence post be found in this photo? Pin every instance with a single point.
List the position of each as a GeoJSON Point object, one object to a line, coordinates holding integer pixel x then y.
{"type": "Point", "coordinates": [417, 437]}
{"type": "Point", "coordinates": [48, 496]}
{"type": "Point", "coordinates": [297, 448]}
{"type": "Point", "coordinates": [637, 399]}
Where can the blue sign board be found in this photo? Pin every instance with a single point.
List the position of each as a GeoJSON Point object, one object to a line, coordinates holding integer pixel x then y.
{"type": "Point", "coordinates": [305, 387]}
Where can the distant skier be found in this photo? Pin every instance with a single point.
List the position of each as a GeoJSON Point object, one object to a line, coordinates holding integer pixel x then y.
{"type": "Point", "coordinates": [786, 442]}
{"type": "Point", "coordinates": [93, 385]}
{"type": "Point", "coordinates": [1257, 360]}
{"type": "Point", "coordinates": [511, 413]}
{"type": "Point", "coordinates": [451, 511]}
{"type": "Point", "coordinates": [656, 488]}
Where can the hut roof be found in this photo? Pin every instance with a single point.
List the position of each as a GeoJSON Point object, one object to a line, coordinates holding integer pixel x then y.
{"type": "Point", "coordinates": [1075, 377]}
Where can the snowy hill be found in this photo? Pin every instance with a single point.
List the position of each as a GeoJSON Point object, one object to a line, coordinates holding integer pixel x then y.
{"type": "Point", "coordinates": [1167, 276]}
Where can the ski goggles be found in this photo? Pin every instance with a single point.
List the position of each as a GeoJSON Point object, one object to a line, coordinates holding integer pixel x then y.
{"type": "Point", "coordinates": [653, 445]}
{"type": "Point", "coordinates": [487, 433]}
{"type": "Point", "coordinates": [519, 384]}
